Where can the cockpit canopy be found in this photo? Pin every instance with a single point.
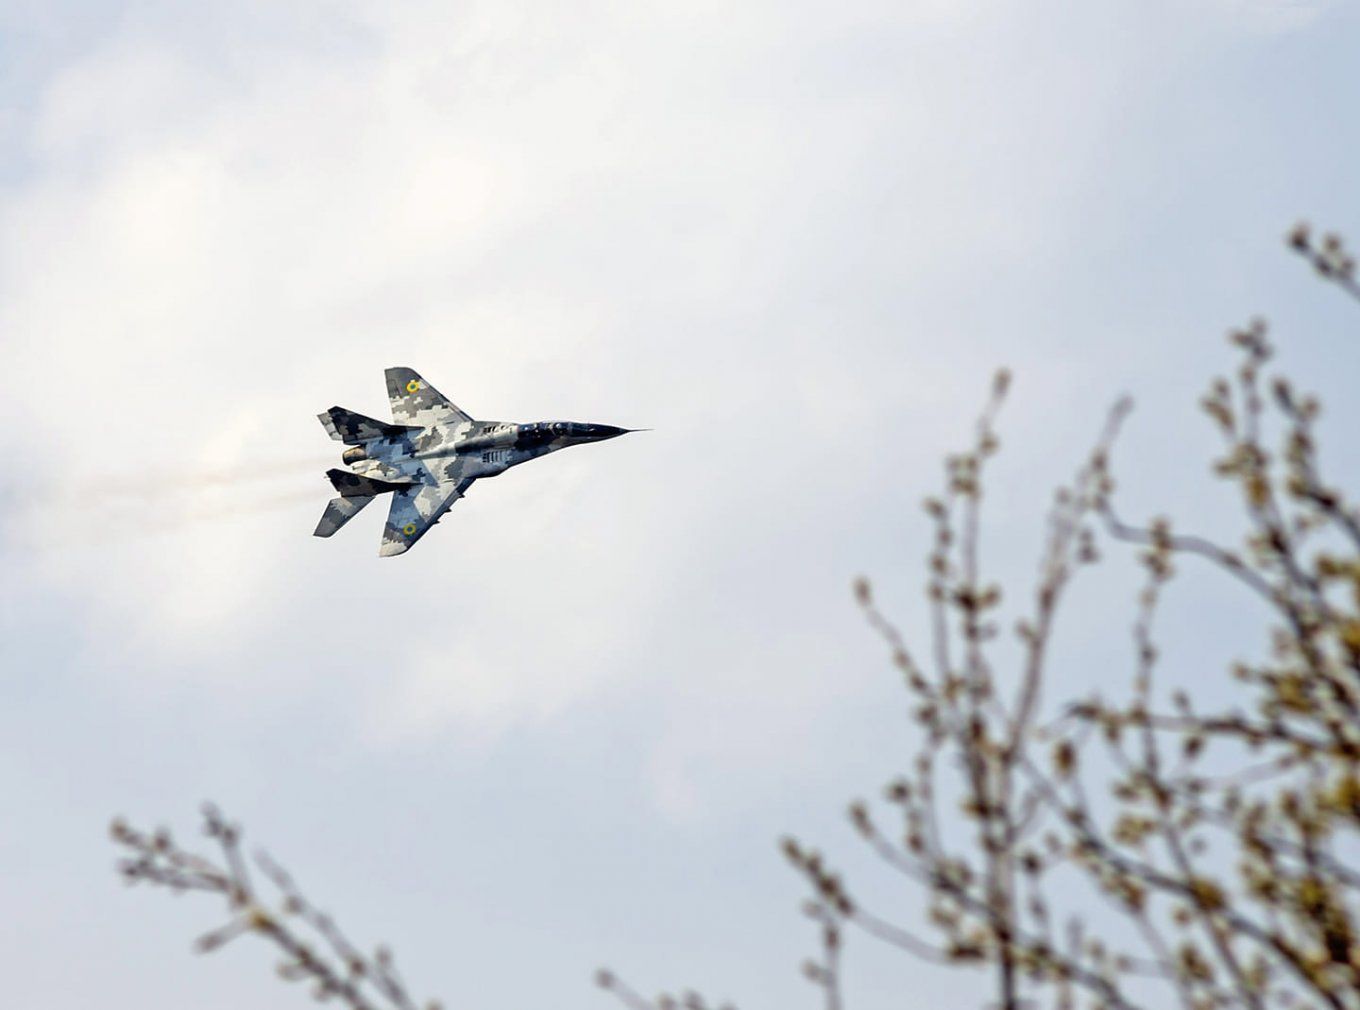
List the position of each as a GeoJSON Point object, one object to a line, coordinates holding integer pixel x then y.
{"type": "Point", "coordinates": [554, 429]}
{"type": "Point", "coordinates": [543, 432]}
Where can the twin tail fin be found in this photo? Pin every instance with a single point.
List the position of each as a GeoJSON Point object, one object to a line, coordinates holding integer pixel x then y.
{"type": "Point", "coordinates": [355, 429]}
{"type": "Point", "coordinates": [355, 485]}
{"type": "Point", "coordinates": [356, 491]}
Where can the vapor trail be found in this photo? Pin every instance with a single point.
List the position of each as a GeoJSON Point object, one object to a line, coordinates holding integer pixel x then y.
{"type": "Point", "coordinates": [80, 524]}
{"type": "Point", "coordinates": [157, 483]}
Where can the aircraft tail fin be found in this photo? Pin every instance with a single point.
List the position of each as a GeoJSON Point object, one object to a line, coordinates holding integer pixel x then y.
{"type": "Point", "coordinates": [353, 485]}
{"type": "Point", "coordinates": [354, 429]}
{"type": "Point", "coordinates": [340, 511]}
{"type": "Point", "coordinates": [356, 491]}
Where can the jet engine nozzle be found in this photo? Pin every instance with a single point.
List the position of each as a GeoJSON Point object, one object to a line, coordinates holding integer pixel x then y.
{"type": "Point", "coordinates": [354, 454]}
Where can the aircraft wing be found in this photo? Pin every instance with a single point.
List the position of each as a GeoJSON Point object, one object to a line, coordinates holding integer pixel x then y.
{"type": "Point", "coordinates": [416, 402]}
{"type": "Point", "coordinates": [414, 510]}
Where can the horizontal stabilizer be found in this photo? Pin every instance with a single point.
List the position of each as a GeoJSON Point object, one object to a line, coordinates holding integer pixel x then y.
{"type": "Point", "coordinates": [354, 429]}
{"type": "Point", "coordinates": [340, 511]}
{"type": "Point", "coordinates": [353, 485]}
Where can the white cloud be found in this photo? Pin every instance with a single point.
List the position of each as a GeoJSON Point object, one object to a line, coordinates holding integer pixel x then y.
{"type": "Point", "coordinates": [740, 229]}
{"type": "Point", "coordinates": [1274, 16]}
{"type": "Point", "coordinates": [793, 238]}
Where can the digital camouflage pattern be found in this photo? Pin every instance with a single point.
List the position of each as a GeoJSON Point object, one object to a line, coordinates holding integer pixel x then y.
{"type": "Point", "coordinates": [429, 456]}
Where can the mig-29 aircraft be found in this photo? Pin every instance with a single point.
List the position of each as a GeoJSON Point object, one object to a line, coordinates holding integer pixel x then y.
{"type": "Point", "coordinates": [429, 456]}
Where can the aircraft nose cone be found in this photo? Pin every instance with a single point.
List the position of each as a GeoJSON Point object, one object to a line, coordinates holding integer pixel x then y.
{"type": "Point", "coordinates": [599, 432]}
{"type": "Point", "coordinates": [578, 432]}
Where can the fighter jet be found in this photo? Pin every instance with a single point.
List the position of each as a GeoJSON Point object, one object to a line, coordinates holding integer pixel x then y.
{"type": "Point", "coordinates": [429, 456]}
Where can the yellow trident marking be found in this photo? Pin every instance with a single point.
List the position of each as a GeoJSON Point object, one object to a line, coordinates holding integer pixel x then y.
{"type": "Point", "coordinates": [413, 386]}
{"type": "Point", "coordinates": [409, 529]}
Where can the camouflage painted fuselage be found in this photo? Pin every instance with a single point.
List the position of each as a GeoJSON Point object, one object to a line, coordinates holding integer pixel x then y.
{"type": "Point", "coordinates": [429, 456]}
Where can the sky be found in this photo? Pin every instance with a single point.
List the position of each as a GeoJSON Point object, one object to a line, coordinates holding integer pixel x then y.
{"type": "Point", "coordinates": [793, 239]}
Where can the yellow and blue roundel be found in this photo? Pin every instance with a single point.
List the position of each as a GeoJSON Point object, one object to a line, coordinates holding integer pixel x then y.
{"type": "Point", "coordinates": [409, 529]}
{"type": "Point", "coordinates": [413, 386]}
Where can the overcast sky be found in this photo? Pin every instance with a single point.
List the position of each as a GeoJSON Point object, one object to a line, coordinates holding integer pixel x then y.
{"type": "Point", "coordinates": [792, 238]}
